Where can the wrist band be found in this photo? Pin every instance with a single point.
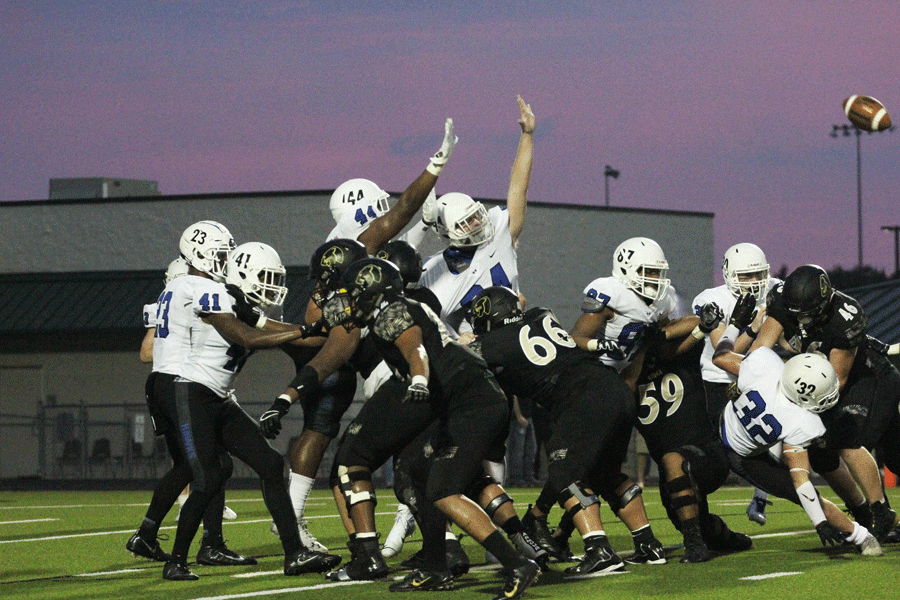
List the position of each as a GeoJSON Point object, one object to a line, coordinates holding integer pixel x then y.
{"type": "Point", "coordinates": [419, 380]}
{"type": "Point", "coordinates": [434, 169]}
{"type": "Point", "coordinates": [592, 345]}
{"type": "Point", "coordinates": [261, 323]}
{"type": "Point", "coordinates": [697, 333]}
{"type": "Point", "coordinates": [286, 398]}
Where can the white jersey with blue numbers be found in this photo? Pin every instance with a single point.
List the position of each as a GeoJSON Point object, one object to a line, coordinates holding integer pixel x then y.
{"type": "Point", "coordinates": [762, 418]}
{"type": "Point", "coordinates": [494, 263]}
{"type": "Point", "coordinates": [723, 297]}
{"type": "Point", "coordinates": [631, 314]}
{"type": "Point", "coordinates": [353, 223]}
{"type": "Point", "coordinates": [186, 346]}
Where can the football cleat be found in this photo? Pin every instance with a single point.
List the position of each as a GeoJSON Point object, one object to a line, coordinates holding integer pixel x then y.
{"type": "Point", "coordinates": [695, 549]}
{"type": "Point", "coordinates": [883, 520]}
{"type": "Point", "coordinates": [756, 510]}
{"type": "Point", "coordinates": [422, 581]}
{"type": "Point", "coordinates": [307, 538]}
{"type": "Point", "coordinates": [732, 541]}
{"type": "Point", "coordinates": [457, 559]}
{"type": "Point", "coordinates": [538, 530]}
{"type": "Point", "coordinates": [648, 553]}
{"type": "Point", "coordinates": [404, 526]}
{"type": "Point", "coordinates": [599, 557]}
{"type": "Point", "coordinates": [222, 556]}
{"type": "Point", "coordinates": [178, 571]}
{"type": "Point", "coordinates": [893, 536]}
{"type": "Point", "coordinates": [146, 548]}
{"type": "Point", "coordinates": [528, 548]}
{"type": "Point", "coordinates": [309, 561]}
{"type": "Point", "coordinates": [519, 580]}
{"type": "Point", "coordinates": [366, 564]}
{"type": "Point", "coordinates": [870, 547]}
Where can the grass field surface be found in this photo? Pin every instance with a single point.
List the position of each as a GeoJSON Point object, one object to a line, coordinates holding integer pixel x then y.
{"type": "Point", "coordinates": [56, 545]}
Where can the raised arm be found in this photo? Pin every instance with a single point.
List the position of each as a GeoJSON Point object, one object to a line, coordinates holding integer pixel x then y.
{"type": "Point", "coordinates": [517, 196]}
{"type": "Point", "coordinates": [388, 225]}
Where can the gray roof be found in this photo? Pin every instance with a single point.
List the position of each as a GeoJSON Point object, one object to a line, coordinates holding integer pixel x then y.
{"type": "Point", "coordinates": [67, 306]}
{"type": "Point", "coordinates": [881, 302]}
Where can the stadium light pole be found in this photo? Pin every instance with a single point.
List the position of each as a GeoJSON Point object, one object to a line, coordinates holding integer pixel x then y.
{"type": "Point", "coordinates": [896, 230]}
{"type": "Point", "coordinates": [847, 131]}
{"type": "Point", "coordinates": [608, 172]}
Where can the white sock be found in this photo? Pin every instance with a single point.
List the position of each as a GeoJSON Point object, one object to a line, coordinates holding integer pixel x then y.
{"type": "Point", "coordinates": [299, 488]}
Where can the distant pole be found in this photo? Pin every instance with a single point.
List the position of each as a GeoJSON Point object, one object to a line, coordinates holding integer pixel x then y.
{"type": "Point", "coordinates": [608, 172]}
{"type": "Point", "coordinates": [896, 230]}
{"type": "Point", "coordinates": [846, 131]}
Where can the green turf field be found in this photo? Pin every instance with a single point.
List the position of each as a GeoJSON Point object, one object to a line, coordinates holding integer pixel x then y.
{"type": "Point", "coordinates": [72, 545]}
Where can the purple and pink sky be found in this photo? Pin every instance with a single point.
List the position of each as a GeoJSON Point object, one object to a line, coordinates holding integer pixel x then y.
{"type": "Point", "coordinates": [718, 106]}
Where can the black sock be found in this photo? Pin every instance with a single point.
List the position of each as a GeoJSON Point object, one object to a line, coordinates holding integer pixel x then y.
{"type": "Point", "coordinates": [512, 526]}
{"type": "Point", "coordinates": [642, 535]}
{"type": "Point", "coordinates": [497, 545]}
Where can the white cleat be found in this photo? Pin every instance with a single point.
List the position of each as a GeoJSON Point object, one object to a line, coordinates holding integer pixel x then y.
{"type": "Point", "coordinates": [307, 538]}
{"type": "Point", "coordinates": [228, 514]}
{"type": "Point", "coordinates": [404, 526]}
{"type": "Point", "coordinates": [870, 547]}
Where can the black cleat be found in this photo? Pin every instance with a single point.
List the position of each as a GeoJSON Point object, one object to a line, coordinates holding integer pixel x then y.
{"type": "Point", "coordinates": [528, 548]}
{"type": "Point", "coordinates": [309, 561]}
{"type": "Point", "coordinates": [367, 563]}
{"type": "Point", "coordinates": [893, 536]}
{"type": "Point", "coordinates": [538, 530]}
{"type": "Point", "coordinates": [599, 557]}
{"type": "Point", "coordinates": [519, 580]}
{"type": "Point", "coordinates": [178, 571]}
{"type": "Point", "coordinates": [731, 541]}
{"type": "Point", "coordinates": [146, 548]}
{"type": "Point", "coordinates": [883, 520]}
{"type": "Point", "coordinates": [862, 514]}
{"type": "Point", "coordinates": [416, 561]}
{"type": "Point", "coordinates": [648, 553]}
{"type": "Point", "coordinates": [457, 559]}
{"type": "Point", "coordinates": [695, 549]}
{"type": "Point", "coordinates": [423, 581]}
{"type": "Point", "coordinates": [222, 556]}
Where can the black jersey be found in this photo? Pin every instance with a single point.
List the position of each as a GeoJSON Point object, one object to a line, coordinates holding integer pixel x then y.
{"type": "Point", "coordinates": [672, 403]}
{"type": "Point", "coordinates": [447, 359]}
{"type": "Point", "coordinates": [367, 355]}
{"type": "Point", "coordinates": [527, 357]}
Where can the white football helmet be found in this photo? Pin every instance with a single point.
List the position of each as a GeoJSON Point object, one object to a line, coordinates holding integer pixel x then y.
{"type": "Point", "coordinates": [809, 381]}
{"type": "Point", "coordinates": [205, 246]}
{"type": "Point", "coordinates": [462, 221]}
{"type": "Point", "coordinates": [176, 269]}
{"type": "Point", "coordinates": [359, 194]}
{"type": "Point", "coordinates": [745, 269]}
{"type": "Point", "coordinates": [640, 264]}
{"type": "Point", "coordinates": [256, 269]}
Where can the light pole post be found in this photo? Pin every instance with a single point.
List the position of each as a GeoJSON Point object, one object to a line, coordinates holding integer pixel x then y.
{"type": "Point", "coordinates": [896, 230]}
{"type": "Point", "coordinates": [848, 130]}
{"type": "Point", "coordinates": [608, 172]}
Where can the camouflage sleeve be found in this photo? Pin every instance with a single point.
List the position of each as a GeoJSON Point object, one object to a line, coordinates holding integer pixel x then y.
{"type": "Point", "coordinates": [393, 321]}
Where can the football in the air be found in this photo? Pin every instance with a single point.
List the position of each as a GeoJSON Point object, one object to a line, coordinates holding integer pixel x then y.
{"type": "Point", "coordinates": [867, 113]}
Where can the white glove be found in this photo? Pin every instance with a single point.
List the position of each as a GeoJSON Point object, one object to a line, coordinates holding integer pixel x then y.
{"type": "Point", "coordinates": [443, 155]}
{"type": "Point", "coordinates": [430, 209]}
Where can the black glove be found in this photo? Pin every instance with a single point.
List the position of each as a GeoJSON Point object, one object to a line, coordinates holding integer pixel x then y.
{"type": "Point", "coordinates": [710, 317]}
{"type": "Point", "coordinates": [743, 312]}
{"type": "Point", "coordinates": [313, 329]}
{"type": "Point", "coordinates": [417, 392]}
{"type": "Point", "coordinates": [653, 334]}
{"type": "Point", "coordinates": [829, 534]}
{"type": "Point", "coordinates": [245, 311]}
{"type": "Point", "coordinates": [877, 346]}
{"type": "Point", "coordinates": [270, 421]}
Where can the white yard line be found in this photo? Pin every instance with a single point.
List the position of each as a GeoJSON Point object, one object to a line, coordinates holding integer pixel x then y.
{"type": "Point", "coordinates": [26, 521]}
{"type": "Point", "coordinates": [771, 575]}
{"type": "Point", "coordinates": [321, 586]}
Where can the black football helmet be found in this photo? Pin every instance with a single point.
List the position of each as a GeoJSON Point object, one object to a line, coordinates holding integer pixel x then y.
{"type": "Point", "coordinates": [406, 257]}
{"type": "Point", "coordinates": [367, 283]}
{"type": "Point", "coordinates": [329, 262]}
{"type": "Point", "coordinates": [493, 307]}
{"type": "Point", "coordinates": [807, 294]}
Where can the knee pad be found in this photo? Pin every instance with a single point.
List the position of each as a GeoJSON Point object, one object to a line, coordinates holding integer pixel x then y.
{"type": "Point", "coordinates": [618, 502]}
{"type": "Point", "coordinates": [607, 488]}
{"type": "Point", "coordinates": [578, 491]}
{"type": "Point", "coordinates": [476, 487]}
{"type": "Point", "coordinates": [347, 478]}
{"type": "Point", "coordinates": [496, 503]}
{"type": "Point", "coordinates": [681, 484]}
